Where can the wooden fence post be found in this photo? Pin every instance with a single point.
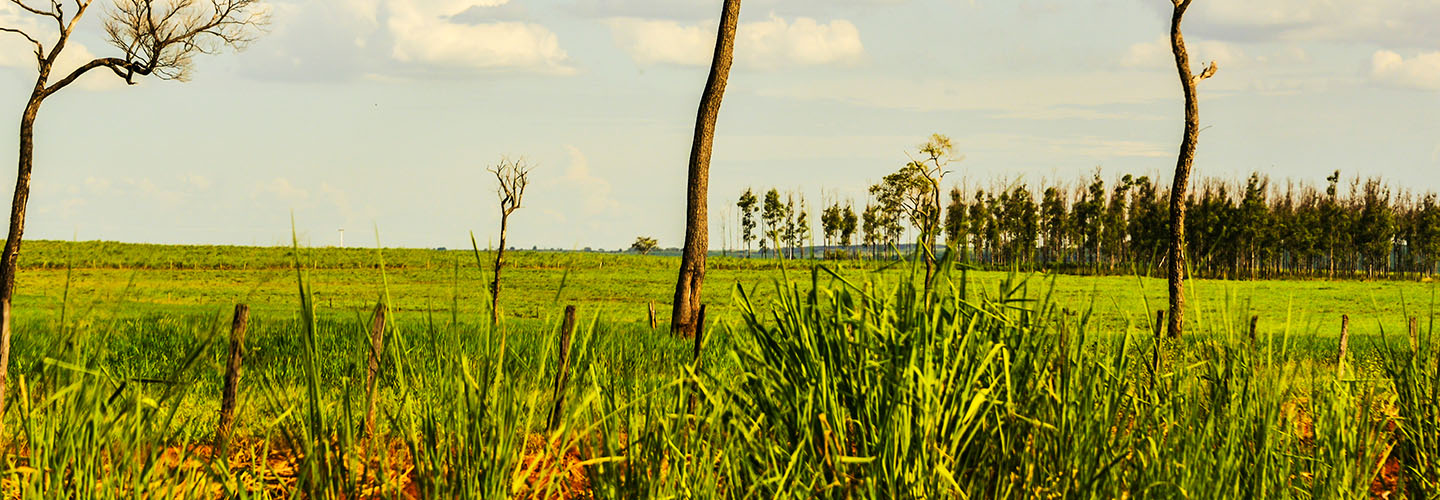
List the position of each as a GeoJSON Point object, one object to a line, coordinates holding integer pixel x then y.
{"type": "Point", "coordinates": [232, 380]}
{"type": "Point", "coordinates": [1344, 343]}
{"type": "Point", "coordinates": [372, 369]}
{"type": "Point", "coordinates": [699, 339]}
{"type": "Point", "coordinates": [653, 324]}
{"type": "Point", "coordinates": [563, 373]}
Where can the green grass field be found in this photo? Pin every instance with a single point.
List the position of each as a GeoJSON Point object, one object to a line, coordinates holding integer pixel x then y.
{"type": "Point", "coordinates": [138, 280]}
{"type": "Point", "coordinates": [814, 382]}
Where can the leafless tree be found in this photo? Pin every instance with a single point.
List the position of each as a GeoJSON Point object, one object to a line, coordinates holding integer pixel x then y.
{"type": "Point", "coordinates": [697, 229]}
{"type": "Point", "coordinates": [154, 38]}
{"type": "Point", "coordinates": [513, 176]}
{"type": "Point", "coordinates": [1176, 254]}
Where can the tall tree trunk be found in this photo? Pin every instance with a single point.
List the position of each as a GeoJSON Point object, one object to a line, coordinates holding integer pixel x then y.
{"type": "Point", "coordinates": [499, 264]}
{"type": "Point", "coordinates": [11, 256]}
{"type": "Point", "coordinates": [1176, 270]}
{"type": "Point", "coordinates": [692, 262]}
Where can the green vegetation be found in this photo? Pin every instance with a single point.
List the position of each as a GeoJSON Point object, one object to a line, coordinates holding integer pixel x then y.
{"type": "Point", "coordinates": [828, 381]}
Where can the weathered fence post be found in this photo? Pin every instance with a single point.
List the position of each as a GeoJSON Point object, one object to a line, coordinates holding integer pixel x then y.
{"type": "Point", "coordinates": [1344, 343]}
{"type": "Point", "coordinates": [372, 369]}
{"type": "Point", "coordinates": [653, 324]}
{"type": "Point", "coordinates": [699, 340]}
{"type": "Point", "coordinates": [232, 380]}
{"type": "Point", "coordinates": [563, 373]}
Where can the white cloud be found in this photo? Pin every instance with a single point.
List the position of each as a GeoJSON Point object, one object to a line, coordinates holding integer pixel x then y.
{"type": "Point", "coordinates": [197, 181]}
{"type": "Point", "coordinates": [423, 34]}
{"type": "Point", "coordinates": [595, 192]}
{"type": "Point", "coordinates": [1390, 22]}
{"type": "Point", "coordinates": [1419, 72]}
{"type": "Point", "coordinates": [379, 39]}
{"type": "Point", "coordinates": [281, 188]}
{"type": "Point", "coordinates": [772, 43]}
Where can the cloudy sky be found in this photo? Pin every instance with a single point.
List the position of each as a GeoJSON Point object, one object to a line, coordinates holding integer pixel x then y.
{"type": "Point", "coordinates": [359, 114]}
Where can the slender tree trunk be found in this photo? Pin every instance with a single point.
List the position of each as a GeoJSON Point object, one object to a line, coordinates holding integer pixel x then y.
{"type": "Point", "coordinates": [1176, 270]}
{"type": "Point", "coordinates": [499, 264]}
{"type": "Point", "coordinates": [692, 262]}
{"type": "Point", "coordinates": [11, 256]}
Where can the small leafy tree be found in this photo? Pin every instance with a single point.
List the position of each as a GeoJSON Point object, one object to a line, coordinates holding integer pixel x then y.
{"type": "Point", "coordinates": [847, 226]}
{"type": "Point", "coordinates": [644, 245]}
{"type": "Point", "coordinates": [773, 214]}
{"type": "Point", "coordinates": [747, 218]}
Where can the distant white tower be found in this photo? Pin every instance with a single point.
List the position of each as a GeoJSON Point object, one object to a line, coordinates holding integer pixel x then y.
{"type": "Point", "coordinates": [342, 237]}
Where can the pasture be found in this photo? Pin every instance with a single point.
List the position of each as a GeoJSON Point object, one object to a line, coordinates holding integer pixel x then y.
{"type": "Point", "coordinates": [811, 382]}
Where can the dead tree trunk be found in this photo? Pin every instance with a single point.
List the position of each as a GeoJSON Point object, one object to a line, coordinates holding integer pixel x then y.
{"type": "Point", "coordinates": [697, 231]}
{"type": "Point", "coordinates": [499, 264]}
{"type": "Point", "coordinates": [1176, 256]}
{"type": "Point", "coordinates": [513, 177]}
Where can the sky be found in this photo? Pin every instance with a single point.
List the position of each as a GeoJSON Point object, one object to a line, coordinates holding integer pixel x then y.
{"type": "Point", "coordinates": [380, 117]}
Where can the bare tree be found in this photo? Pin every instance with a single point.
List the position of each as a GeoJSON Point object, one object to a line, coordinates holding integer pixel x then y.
{"type": "Point", "coordinates": [1176, 257]}
{"type": "Point", "coordinates": [697, 231]}
{"type": "Point", "coordinates": [513, 176]}
{"type": "Point", "coordinates": [154, 37]}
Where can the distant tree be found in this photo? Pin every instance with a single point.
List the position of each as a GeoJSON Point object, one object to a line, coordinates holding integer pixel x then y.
{"type": "Point", "coordinates": [806, 234]}
{"type": "Point", "coordinates": [830, 220]}
{"type": "Point", "coordinates": [152, 40]}
{"type": "Point", "coordinates": [774, 217]}
{"type": "Point", "coordinates": [1253, 227]}
{"type": "Point", "coordinates": [512, 177]}
{"type": "Point", "coordinates": [955, 223]}
{"type": "Point", "coordinates": [914, 192]}
{"type": "Point", "coordinates": [697, 234]}
{"type": "Point", "coordinates": [979, 221]}
{"type": "Point", "coordinates": [747, 208]}
{"type": "Point", "coordinates": [847, 225]}
{"type": "Point", "coordinates": [791, 228]}
{"type": "Point", "coordinates": [1114, 232]}
{"type": "Point", "coordinates": [1427, 234]}
{"type": "Point", "coordinates": [1188, 81]}
{"type": "Point", "coordinates": [644, 245]}
{"type": "Point", "coordinates": [1089, 223]}
{"type": "Point", "coordinates": [1022, 221]}
{"type": "Point", "coordinates": [1375, 227]}
{"type": "Point", "coordinates": [1054, 218]}
{"type": "Point", "coordinates": [872, 227]}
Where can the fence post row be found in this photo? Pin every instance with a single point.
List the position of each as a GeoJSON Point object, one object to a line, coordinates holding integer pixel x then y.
{"type": "Point", "coordinates": [563, 373]}
{"type": "Point", "coordinates": [232, 380]}
{"type": "Point", "coordinates": [372, 369]}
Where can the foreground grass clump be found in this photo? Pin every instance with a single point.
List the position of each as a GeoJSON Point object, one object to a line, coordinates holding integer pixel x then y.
{"type": "Point", "coordinates": [836, 388]}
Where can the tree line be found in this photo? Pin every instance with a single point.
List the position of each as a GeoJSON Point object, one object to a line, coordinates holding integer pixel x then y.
{"type": "Point", "coordinates": [1249, 229]}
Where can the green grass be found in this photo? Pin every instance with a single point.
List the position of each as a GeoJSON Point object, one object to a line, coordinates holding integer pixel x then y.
{"type": "Point", "coordinates": [834, 382]}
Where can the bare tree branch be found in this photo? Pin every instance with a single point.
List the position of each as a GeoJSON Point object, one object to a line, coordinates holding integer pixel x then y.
{"type": "Point", "coordinates": [1209, 72]}
{"type": "Point", "coordinates": [32, 9]}
{"type": "Point", "coordinates": [39, 48]}
{"type": "Point", "coordinates": [122, 68]}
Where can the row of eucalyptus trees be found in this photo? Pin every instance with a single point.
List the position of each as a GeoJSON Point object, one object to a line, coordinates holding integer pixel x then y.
{"type": "Point", "coordinates": [1251, 229]}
